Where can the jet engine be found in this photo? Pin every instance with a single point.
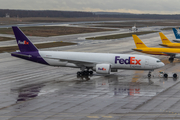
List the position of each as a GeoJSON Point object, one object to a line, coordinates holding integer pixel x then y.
{"type": "Point", "coordinates": [103, 68]}
{"type": "Point", "coordinates": [177, 56]}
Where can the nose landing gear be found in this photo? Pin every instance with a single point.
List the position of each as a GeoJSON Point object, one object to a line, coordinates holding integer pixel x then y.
{"type": "Point", "coordinates": [149, 74]}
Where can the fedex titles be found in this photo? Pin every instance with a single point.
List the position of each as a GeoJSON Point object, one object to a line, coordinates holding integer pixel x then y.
{"type": "Point", "coordinates": [102, 69]}
{"type": "Point", "coordinates": [131, 61]}
{"type": "Point", "coordinates": [23, 43]}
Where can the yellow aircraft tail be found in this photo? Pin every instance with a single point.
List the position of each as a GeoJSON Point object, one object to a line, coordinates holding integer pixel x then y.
{"type": "Point", "coordinates": [138, 42]}
{"type": "Point", "coordinates": [164, 39]}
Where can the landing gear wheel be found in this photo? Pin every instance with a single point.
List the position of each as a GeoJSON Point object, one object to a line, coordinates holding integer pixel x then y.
{"type": "Point", "coordinates": [84, 73]}
{"type": "Point", "coordinates": [174, 75]}
{"type": "Point", "coordinates": [165, 75]}
{"type": "Point", "coordinates": [90, 72]}
{"type": "Point", "coordinates": [78, 73]}
{"type": "Point", "coordinates": [171, 60]}
{"type": "Point", "coordinates": [149, 75]}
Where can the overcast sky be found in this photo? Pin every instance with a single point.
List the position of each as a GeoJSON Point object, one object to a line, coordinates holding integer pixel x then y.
{"type": "Point", "coordinates": [128, 6]}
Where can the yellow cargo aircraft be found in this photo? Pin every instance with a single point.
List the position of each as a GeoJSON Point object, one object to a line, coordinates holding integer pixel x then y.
{"type": "Point", "coordinates": [141, 47]}
{"type": "Point", "coordinates": [167, 43]}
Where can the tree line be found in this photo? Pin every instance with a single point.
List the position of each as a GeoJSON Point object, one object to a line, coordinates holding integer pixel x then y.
{"type": "Point", "coordinates": [44, 13]}
{"type": "Point", "coordinates": [73, 14]}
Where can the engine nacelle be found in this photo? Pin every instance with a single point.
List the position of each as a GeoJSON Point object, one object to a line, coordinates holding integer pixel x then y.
{"type": "Point", "coordinates": [103, 68]}
{"type": "Point", "coordinates": [177, 56]}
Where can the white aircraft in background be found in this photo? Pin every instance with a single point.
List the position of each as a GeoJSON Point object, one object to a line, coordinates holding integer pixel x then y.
{"type": "Point", "coordinates": [101, 63]}
{"type": "Point", "coordinates": [134, 28]}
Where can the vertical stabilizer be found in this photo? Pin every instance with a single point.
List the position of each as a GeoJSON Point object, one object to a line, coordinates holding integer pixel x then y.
{"type": "Point", "coordinates": [23, 42]}
{"type": "Point", "coordinates": [138, 42]}
{"type": "Point", "coordinates": [164, 39]}
{"type": "Point", "coordinates": [177, 35]}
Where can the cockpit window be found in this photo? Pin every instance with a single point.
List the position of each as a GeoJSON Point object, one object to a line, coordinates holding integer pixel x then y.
{"type": "Point", "coordinates": [158, 61]}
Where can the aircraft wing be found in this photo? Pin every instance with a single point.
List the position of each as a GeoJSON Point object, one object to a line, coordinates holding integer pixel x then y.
{"type": "Point", "coordinates": [77, 62]}
{"type": "Point", "coordinates": [170, 54]}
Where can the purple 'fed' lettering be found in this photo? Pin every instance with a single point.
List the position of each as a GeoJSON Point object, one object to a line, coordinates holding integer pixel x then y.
{"type": "Point", "coordinates": [127, 61]}
{"type": "Point", "coordinates": [122, 61]}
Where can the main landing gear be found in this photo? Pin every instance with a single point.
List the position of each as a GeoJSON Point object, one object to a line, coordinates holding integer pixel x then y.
{"type": "Point", "coordinates": [84, 73]}
{"type": "Point", "coordinates": [171, 59]}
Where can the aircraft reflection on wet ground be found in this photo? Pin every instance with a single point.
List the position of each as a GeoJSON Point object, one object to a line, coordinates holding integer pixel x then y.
{"type": "Point", "coordinates": [113, 83]}
{"type": "Point", "coordinates": [28, 92]}
{"type": "Point", "coordinates": [136, 90]}
{"type": "Point", "coordinates": [133, 88]}
{"type": "Point", "coordinates": [85, 77]}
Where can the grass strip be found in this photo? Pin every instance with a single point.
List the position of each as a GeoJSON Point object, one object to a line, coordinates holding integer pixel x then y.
{"type": "Point", "coordinates": [47, 31]}
{"type": "Point", "coordinates": [39, 46]}
{"type": "Point", "coordinates": [118, 36]}
{"type": "Point", "coordinates": [6, 38]}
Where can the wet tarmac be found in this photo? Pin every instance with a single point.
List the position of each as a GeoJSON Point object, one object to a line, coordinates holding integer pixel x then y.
{"type": "Point", "coordinates": [34, 91]}
{"type": "Point", "coordinates": [31, 91]}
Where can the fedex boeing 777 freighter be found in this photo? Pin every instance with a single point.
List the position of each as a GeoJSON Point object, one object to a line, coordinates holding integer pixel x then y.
{"type": "Point", "coordinates": [101, 63]}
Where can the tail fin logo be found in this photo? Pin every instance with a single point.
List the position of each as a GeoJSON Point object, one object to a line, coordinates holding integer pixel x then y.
{"type": "Point", "coordinates": [23, 42]}
{"type": "Point", "coordinates": [176, 32]}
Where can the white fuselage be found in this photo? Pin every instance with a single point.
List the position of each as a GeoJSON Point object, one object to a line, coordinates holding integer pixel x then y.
{"type": "Point", "coordinates": [117, 61]}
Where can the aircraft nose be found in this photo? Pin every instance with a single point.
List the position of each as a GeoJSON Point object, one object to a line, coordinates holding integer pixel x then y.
{"type": "Point", "coordinates": [161, 64]}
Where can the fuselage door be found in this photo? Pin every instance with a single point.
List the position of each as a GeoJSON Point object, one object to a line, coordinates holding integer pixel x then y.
{"type": "Point", "coordinates": [146, 62]}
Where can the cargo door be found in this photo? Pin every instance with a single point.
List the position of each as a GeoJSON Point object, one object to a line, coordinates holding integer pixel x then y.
{"type": "Point", "coordinates": [146, 62]}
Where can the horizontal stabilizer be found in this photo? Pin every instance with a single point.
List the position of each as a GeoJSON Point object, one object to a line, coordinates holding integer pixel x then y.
{"type": "Point", "coordinates": [22, 55]}
{"type": "Point", "coordinates": [137, 50]}
{"type": "Point", "coordinates": [177, 40]}
{"type": "Point", "coordinates": [163, 45]}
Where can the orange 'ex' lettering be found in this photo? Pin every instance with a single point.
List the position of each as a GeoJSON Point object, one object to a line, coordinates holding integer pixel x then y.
{"type": "Point", "coordinates": [137, 61]}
